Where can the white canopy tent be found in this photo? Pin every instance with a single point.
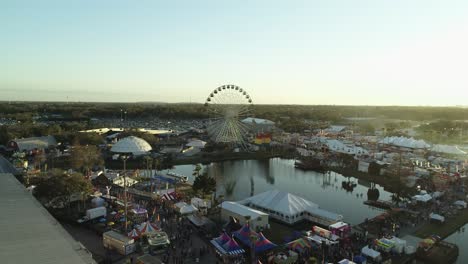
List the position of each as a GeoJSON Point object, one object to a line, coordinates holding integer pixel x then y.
{"type": "Point", "coordinates": [423, 198]}
{"type": "Point", "coordinates": [437, 217]}
{"type": "Point", "coordinates": [375, 255]}
{"type": "Point", "coordinates": [184, 208]}
{"type": "Point", "coordinates": [460, 203]}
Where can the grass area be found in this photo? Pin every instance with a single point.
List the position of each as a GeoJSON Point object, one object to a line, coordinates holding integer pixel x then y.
{"type": "Point", "coordinates": [446, 229]}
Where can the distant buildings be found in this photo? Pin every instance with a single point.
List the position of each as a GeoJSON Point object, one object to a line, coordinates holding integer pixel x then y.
{"type": "Point", "coordinates": [257, 125]}
{"type": "Point", "coordinates": [33, 143]}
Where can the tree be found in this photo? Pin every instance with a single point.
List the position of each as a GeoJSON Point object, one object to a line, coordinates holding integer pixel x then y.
{"type": "Point", "coordinates": [88, 139]}
{"type": "Point", "coordinates": [58, 186]}
{"type": "Point", "coordinates": [4, 135]}
{"type": "Point", "coordinates": [85, 157]}
{"type": "Point", "coordinates": [204, 184]}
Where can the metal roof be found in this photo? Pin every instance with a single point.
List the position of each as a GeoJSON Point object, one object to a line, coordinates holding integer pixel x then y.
{"type": "Point", "coordinates": [30, 234]}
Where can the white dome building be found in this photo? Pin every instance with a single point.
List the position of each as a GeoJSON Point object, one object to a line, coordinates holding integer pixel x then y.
{"type": "Point", "coordinates": [134, 145]}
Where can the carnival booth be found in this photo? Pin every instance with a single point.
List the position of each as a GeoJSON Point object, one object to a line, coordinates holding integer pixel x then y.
{"type": "Point", "coordinates": [372, 254]}
{"type": "Point", "coordinates": [299, 245]}
{"type": "Point", "coordinates": [340, 229]}
{"type": "Point", "coordinates": [385, 245]}
{"type": "Point", "coordinates": [226, 247]}
{"type": "Point", "coordinates": [138, 215]}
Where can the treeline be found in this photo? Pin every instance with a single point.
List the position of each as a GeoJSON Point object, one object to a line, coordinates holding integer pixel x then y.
{"type": "Point", "coordinates": [27, 110]}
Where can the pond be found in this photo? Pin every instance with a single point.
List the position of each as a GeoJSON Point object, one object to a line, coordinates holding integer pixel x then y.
{"type": "Point", "coordinates": [240, 179]}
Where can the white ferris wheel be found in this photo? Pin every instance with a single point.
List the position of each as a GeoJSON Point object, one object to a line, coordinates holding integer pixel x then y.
{"type": "Point", "coordinates": [227, 106]}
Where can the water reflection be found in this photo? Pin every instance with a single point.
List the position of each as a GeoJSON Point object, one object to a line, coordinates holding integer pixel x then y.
{"type": "Point", "coordinates": [237, 180]}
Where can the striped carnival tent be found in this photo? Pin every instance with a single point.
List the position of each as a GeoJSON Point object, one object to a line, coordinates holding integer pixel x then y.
{"type": "Point", "coordinates": [245, 234]}
{"type": "Point", "coordinates": [230, 247]}
{"type": "Point", "coordinates": [134, 234]}
{"type": "Point", "coordinates": [169, 196]}
{"type": "Point", "coordinates": [147, 228]}
{"type": "Point", "coordinates": [263, 244]}
{"type": "Point", "coordinates": [222, 239]}
{"type": "Point", "coordinates": [299, 245]}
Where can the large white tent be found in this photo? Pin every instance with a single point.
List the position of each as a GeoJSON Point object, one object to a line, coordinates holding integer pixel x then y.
{"type": "Point", "coordinates": [290, 208]}
{"type": "Point", "coordinates": [405, 142]}
{"type": "Point", "coordinates": [446, 149]}
{"type": "Point", "coordinates": [133, 145]}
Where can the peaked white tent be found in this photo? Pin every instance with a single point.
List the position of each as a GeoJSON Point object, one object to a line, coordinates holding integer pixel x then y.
{"type": "Point", "coordinates": [185, 208]}
{"type": "Point", "coordinates": [290, 208]}
{"type": "Point", "coordinates": [453, 150]}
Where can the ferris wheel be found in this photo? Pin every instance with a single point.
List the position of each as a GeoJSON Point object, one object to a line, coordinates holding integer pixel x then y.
{"type": "Point", "coordinates": [227, 106]}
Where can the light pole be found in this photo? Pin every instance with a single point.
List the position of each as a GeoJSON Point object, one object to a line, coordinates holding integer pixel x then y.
{"type": "Point", "coordinates": [124, 158]}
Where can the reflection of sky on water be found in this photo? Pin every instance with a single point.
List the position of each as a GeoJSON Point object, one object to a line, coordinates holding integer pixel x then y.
{"type": "Point", "coordinates": [237, 179]}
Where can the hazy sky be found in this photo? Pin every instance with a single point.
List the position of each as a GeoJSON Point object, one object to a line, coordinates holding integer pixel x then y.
{"type": "Point", "coordinates": [406, 52]}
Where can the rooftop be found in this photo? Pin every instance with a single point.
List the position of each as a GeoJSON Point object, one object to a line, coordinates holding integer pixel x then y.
{"type": "Point", "coordinates": [242, 209]}
{"type": "Point", "coordinates": [33, 235]}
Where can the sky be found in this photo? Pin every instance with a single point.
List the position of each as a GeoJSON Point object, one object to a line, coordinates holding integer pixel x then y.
{"type": "Point", "coordinates": [329, 52]}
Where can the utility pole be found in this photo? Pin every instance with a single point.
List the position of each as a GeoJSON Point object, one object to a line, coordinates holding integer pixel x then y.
{"type": "Point", "coordinates": [124, 157]}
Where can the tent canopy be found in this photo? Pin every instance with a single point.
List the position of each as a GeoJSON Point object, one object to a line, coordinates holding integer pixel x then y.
{"type": "Point", "coordinates": [245, 234]}
{"type": "Point", "coordinates": [453, 150]}
{"type": "Point", "coordinates": [263, 244]}
{"type": "Point", "coordinates": [288, 204]}
{"type": "Point", "coordinates": [148, 228]}
{"type": "Point", "coordinates": [185, 208]}
{"type": "Point", "coordinates": [437, 217]}
{"type": "Point", "coordinates": [370, 252]}
{"type": "Point", "coordinates": [422, 198]}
